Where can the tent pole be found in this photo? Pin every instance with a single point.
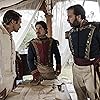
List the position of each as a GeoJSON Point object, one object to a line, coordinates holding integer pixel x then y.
{"type": "Point", "coordinates": [48, 15]}
{"type": "Point", "coordinates": [49, 24]}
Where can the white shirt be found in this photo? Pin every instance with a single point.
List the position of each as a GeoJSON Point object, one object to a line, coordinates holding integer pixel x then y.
{"type": "Point", "coordinates": [7, 60]}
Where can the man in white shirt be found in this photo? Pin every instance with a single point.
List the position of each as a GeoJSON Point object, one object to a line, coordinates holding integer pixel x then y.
{"type": "Point", "coordinates": [11, 22]}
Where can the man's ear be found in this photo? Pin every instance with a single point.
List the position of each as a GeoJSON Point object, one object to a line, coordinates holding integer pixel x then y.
{"type": "Point", "coordinates": [79, 17]}
{"type": "Point", "coordinates": [13, 21]}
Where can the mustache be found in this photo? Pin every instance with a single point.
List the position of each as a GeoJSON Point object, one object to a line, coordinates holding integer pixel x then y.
{"type": "Point", "coordinates": [37, 32]}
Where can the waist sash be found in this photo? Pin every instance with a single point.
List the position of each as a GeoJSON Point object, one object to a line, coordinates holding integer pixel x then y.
{"type": "Point", "coordinates": [82, 61]}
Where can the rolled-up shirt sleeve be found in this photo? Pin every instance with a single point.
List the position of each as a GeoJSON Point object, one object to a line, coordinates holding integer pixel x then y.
{"type": "Point", "coordinates": [31, 58]}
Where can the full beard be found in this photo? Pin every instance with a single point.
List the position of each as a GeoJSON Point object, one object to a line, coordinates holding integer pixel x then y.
{"type": "Point", "coordinates": [75, 24]}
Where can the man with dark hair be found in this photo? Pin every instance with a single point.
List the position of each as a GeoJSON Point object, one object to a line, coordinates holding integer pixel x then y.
{"type": "Point", "coordinates": [11, 22]}
{"type": "Point", "coordinates": [84, 42]}
{"type": "Point", "coordinates": [13, 19]}
{"type": "Point", "coordinates": [40, 55]}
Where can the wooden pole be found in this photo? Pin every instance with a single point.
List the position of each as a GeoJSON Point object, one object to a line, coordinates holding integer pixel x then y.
{"type": "Point", "coordinates": [49, 24]}
{"type": "Point", "coordinates": [47, 9]}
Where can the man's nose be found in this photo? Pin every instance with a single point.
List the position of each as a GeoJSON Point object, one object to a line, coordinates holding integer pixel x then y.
{"type": "Point", "coordinates": [37, 30]}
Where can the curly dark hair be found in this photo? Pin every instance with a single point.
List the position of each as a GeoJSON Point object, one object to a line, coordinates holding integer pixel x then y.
{"type": "Point", "coordinates": [43, 24]}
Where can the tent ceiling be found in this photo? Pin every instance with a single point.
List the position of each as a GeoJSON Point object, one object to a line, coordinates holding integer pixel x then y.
{"type": "Point", "coordinates": [6, 3]}
{"type": "Point", "coordinates": [20, 4]}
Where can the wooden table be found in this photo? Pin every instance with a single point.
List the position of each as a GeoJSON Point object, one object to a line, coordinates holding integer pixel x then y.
{"type": "Point", "coordinates": [47, 90]}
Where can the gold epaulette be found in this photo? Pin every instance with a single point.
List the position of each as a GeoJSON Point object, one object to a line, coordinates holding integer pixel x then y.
{"type": "Point", "coordinates": [67, 33]}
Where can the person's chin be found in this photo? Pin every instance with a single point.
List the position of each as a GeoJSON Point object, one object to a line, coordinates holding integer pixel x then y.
{"type": "Point", "coordinates": [16, 31]}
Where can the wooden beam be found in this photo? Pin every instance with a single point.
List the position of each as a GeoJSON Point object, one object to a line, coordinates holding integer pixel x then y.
{"type": "Point", "coordinates": [49, 24]}
{"type": "Point", "coordinates": [43, 7]}
{"type": "Point", "coordinates": [48, 18]}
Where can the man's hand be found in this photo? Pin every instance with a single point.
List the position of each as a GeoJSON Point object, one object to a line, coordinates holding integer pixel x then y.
{"type": "Point", "coordinates": [36, 75]}
{"type": "Point", "coordinates": [58, 69]}
{"type": "Point", "coordinates": [58, 72]}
